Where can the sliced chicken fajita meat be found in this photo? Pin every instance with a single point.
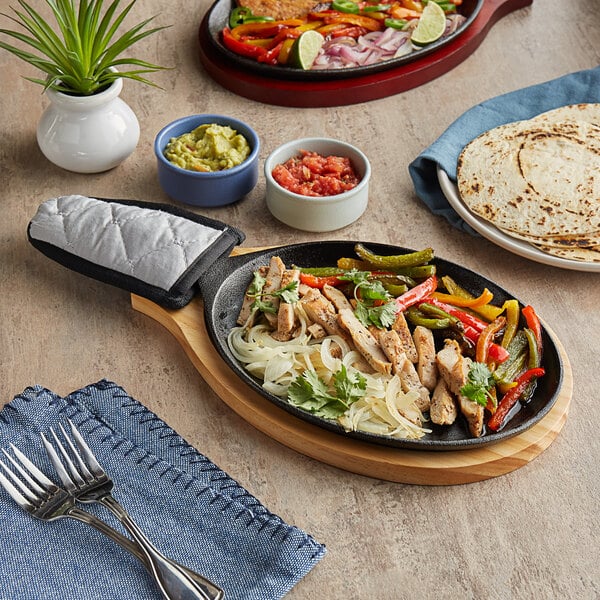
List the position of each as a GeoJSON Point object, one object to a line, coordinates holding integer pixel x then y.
{"type": "Point", "coordinates": [443, 410]}
{"type": "Point", "coordinates": [316, 331]}
{"type": "Point", "coordinates": [365, 342]}
{"type": "Point", "coordinates": [393, 348]}
{"type": "Point", "coordinates": [319, 310]}
{"type": "Point", "coordinates": [273, 283]}
{"type": "Point", "coordinates": [400, 326]}
{"type": "Point", "coordinates": [454, 368]}
{"type": "Point", "coordinates": [426, 365]}
{"type": "Point", "coordinates": [286, 316]}
{"type": "Point", "coordinates": [336, 297]}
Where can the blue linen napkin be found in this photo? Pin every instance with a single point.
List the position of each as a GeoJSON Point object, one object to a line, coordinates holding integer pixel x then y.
{"type": "Point", "coordinates": [575, 88]}
{"type": "Point", "coordinates": [192, 510]}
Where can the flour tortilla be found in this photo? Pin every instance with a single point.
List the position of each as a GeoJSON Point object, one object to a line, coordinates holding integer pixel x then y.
{"type": "Point", "coordinates": [583, 254]}
{"type": "Point", "coordinates": [582, 240]}
{"type": "Point", "coordinates": [539, 180]}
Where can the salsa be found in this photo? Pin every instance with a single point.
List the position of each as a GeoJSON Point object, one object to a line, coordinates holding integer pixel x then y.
{"type": "Point", "coordinates": [311, 174]}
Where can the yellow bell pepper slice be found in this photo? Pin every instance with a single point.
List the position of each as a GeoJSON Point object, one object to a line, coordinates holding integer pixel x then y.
{"type": "Point", "coordinates": [513, 313]}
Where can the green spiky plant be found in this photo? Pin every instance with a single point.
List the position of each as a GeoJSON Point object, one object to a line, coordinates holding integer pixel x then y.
{"type": "Point", "coordinates": [80, 52]}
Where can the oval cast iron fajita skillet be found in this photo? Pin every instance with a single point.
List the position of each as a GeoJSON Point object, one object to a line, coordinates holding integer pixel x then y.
{"type": "Point", "coordinates": [218, 18]}
{"type": "Point", "coordinates": [222, 289]}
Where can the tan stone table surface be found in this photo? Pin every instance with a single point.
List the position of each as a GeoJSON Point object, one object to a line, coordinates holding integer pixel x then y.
{"type": "Point", "coordinates": [530, 534]}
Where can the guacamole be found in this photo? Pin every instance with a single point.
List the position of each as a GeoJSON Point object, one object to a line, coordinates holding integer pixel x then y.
{"type": "Point", "coordinates": [209, 147]}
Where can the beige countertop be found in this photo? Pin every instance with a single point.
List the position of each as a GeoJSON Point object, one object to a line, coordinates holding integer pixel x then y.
{"type": "Point", "coordinates": [529, 534]}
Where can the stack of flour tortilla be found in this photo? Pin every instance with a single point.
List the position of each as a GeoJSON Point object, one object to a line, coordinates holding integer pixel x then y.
{"type": "Point", "coordinates": [539, 180]}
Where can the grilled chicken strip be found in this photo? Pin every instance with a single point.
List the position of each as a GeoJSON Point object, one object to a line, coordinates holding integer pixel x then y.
{"type": "Point", "coordinates": [337, 298]}
{"type": "Point", "coordinates": [322, 312]}
{"type": "Point", "coordinates": [426, 365]}
{"type": "Point", "coordinates": [443, 409]}
{"type": "Point", "coordinates": [273, 283]}
{"type": "Point", "coordinates": [364, 341]}
{"type": "Point", "coordinates": [400, 326]}
{"type": "Point", "coordinates": [286, 317]}
{"type": "Point", "coordinates": [454, 368]}
{"type": "Point", "coordinates": [393, 348]}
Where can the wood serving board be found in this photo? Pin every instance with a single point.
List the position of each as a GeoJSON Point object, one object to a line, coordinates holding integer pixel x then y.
{"type": "Point", "coordinates": [311, 94]}
{"type": "Point", "coordinates": [373, 460]}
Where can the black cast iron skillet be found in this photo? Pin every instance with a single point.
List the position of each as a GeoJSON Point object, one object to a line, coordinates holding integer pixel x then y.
{"type": "Point", "coordinates": [222, 289]}
{"type": "Point", "coordinates": [217, 18]}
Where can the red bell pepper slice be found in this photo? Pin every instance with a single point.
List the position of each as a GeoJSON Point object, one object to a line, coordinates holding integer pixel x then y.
{"type": "Point", "coordinates": [533, 322]}
{"type": "Point", "coordinates": [472, 328]}
{"type": "Point", "coordinates": [270, 56]}
{"type": "Point", "coordinates": [485, 341]}
{"type": "Point", "coordinates": [318, 282]}
{"type": "Point", "coordinates": [511, 397]}
{"type": "Point", "coordinates": [417, 294]}
{"type": "Point", "coordinates": [497, 353]}
{"type": "Point", "coordinates": [241, 48]}
{"type": "Point", "coordinates": [466, 318]}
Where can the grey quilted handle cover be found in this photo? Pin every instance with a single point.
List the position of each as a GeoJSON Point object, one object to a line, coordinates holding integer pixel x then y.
{"type": "Point", "coordinates": [157, 251]}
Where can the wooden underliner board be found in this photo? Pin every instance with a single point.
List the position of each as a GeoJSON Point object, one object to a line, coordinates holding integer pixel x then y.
{"type": "Point", "coordinates": [373, 460]}
{"type": "Point", "coordinates": [311, 94]}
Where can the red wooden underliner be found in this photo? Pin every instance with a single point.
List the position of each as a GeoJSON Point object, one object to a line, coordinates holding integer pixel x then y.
{"type": "Point", "coordinates": [311, 94]}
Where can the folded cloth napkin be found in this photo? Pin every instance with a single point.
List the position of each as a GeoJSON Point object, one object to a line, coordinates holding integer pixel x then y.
{"type": "Point", "coordinates": [575, 88]}
{"type": "Point", "coordinates": [192, 510]}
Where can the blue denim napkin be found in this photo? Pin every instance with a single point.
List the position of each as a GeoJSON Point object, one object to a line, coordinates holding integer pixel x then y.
{"type": "Point", "coordinates": [575, 88]}
{"type": "Point", "coordinates": [192, 510]}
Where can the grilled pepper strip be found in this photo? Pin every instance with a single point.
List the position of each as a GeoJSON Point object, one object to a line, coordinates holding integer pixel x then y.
{"type": "Point", "coordinates": [533, 322]}
{"type": "Point", "coordinates": [512, 321]}
{"type": "Point", "coordinates": [485, 340]}
{"type": "Point", "coordinates": [511, 397]}
{"type": "Point", "coordinates": [318, 282]}
{"type": "Point", "coordinates": [417, 317]}
{"type": "Point", "coordinates": [485, 298]}
{"type": "Point", "coordinates": [345, 6]}
{"type": "Point", "coordinates": [487, 311]}
{"type": "Point", "coordinates": [241, 48]}
{"type": "Point", "coordinates": [507, 372]}
{"type": "Point", "coordinates": [417, 294]}
{"type": "Point", "coordinates": [411, 259]}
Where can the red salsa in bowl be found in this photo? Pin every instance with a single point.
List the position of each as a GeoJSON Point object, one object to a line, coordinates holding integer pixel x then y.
{"type": "Point", "coordinates": [312, 174]}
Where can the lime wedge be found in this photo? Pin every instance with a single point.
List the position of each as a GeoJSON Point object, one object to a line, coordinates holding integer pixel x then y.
{"type": "Point", "coordinates": [431, 26]}
{"type": "Point", "coordinates": [305, 49]}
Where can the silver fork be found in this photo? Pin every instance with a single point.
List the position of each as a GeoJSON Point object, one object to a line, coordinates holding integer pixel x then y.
{"type": "Point", "coordinates": [43, 499]}
{"type": "Point", "coordinates": [86, 480]}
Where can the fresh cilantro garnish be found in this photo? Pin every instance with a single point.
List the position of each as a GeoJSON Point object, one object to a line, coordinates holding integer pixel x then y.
{"type": "Point", "coordinates": [372, 300]}
{"type": "Point", "coordinates": [355, 276]}
{"type": "Point", "coordinates": [288, 294]}
{"type": "Point", "coordinates": [349, 387]}
{"type": "Point", "coordinates": [480, 382]}
{"type": "Point", "coordinates": [310, 393]}
{"type": "Point", "coordinates": [258, 283]}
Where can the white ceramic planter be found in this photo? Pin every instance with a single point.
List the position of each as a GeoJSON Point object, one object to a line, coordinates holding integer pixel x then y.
{"type": "Point", "coordinates": [88, 134]}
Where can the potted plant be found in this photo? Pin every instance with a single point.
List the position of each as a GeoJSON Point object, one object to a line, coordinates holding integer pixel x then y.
{"type": "Point", "coordinates": [86, 128]}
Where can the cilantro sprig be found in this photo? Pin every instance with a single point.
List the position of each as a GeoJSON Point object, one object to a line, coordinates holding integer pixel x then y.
{"type": "Point", "coordinates": [288, 294]}
{"type": "Point", "coordinates": [373, 301]}
{"type": "Point", "coordinates": [480, 382]}
{"type": "Point", "coordinates": [310, 393]}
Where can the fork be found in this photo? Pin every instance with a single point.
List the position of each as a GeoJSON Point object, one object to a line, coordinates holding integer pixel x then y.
{"type": "Point", "coordinates": [43, 499]}
{"type": "Point", "coordinates": [84, 478]}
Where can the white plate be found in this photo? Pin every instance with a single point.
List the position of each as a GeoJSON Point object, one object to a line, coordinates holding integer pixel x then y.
{"type": "Point", "coordinates": [502, 239]}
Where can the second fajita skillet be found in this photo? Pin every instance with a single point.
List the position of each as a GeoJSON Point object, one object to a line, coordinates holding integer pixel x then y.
{"type": "Point", "coordinates": [221, 280]}
{"type": "Point", "coordinates": [218, 17]}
